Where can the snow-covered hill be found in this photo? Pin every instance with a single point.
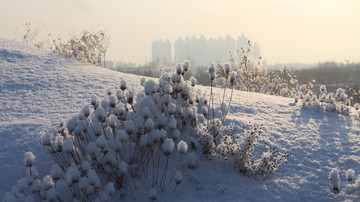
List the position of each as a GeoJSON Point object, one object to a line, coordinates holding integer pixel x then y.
{"type": "Point", "coordinates": [38, 88]}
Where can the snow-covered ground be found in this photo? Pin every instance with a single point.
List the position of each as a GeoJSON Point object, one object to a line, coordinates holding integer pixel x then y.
{"type": "Point", "coordinates": [38, 88]}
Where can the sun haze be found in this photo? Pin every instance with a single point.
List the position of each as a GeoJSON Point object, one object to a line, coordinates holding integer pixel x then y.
{"type": "Point", "coordinates": [286, 30]}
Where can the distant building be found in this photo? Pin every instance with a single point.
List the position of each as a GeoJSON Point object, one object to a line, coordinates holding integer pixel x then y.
{"type": "Point", "coordinates": [161, 52]}
{"type": "Point", "coordinates": [200, 51]}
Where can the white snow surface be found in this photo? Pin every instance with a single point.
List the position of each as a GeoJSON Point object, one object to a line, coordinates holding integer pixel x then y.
{"type": "Point", "coordinates": [38, 88]}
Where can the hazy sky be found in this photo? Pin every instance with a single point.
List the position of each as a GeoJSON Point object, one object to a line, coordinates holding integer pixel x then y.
{"type": "Point", "coordinates": [287, 30]}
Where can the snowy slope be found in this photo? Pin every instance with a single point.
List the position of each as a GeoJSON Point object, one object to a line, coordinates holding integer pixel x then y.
{"type": "Point", "coordinates": [37, 89]}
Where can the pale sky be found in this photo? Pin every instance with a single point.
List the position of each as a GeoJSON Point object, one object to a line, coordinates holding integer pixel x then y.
{"type": "Point", "coordinates": [287, 31]}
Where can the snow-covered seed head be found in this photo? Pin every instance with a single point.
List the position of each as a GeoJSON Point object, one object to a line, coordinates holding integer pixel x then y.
{"type": "Point", "coordinates": [123, 136]}
{"type": "Point", "coordinates": [178, 177]}
{"type": "Point", "coordinates": [334, 180]}
{"type": "Point", "coordinates": [347, 102]}
{"type": "Point", "coordinates": [29, 159]}
{"type": "Point", "coordinates": [55, 172]}
{"type": "Point", "coordinates": [73, 175]}
{"type": "Point", "coordinates": [45, 139]}
{"type": "Point", "coordinates": [179, 69]}
{"type": "Point", "coordinates": [350, 174]}
{"type": "Point", "coordinates": [100, 114]}
{"type": "Point", "coordinates": [94, 101]}
{"type": "Point", "coordinates": [233, 76]}
{"type": "Point", "coordinates": [357, 106]}
{"type": "Point", "coordinates": [112, 101]}
{"type": "Point", "coordinates": [193, 81]}
{"type": "Point", "coordinates": [153, 194]}
{"type": "Point", "coordinates": [323, 88]}
{"type": "Point", "coordinates": [123, 85]}
{"type": "Point", "coordinates": [211, 71]}
{"type": "Point", "coordinates": [168, 89]}
{"type": "Point", "coordinates": [227, 68]}
{"type": "Point", "coordinates": [101, 142]}
{"type": "Point", "coordinates": [130, 97]}
{"type": "Point", "coordinates": [149, 87]}
{"type": "Point", "coordinates": [186, 65]}
{"type": "Point", "coordinates": [182, 147]}
{"type": "Point", "coordinates": [168, 146]}
{"type": "Point", "coordinates": [68, 146]}
{"type": "Point", "coordinates": [112, 121]}
{"type": "Point", "coordinates": [149, 124]}
{"type": "Point", "coordinates": [47, 182]}
{"type": "Point", "coordinates": [86, 111]}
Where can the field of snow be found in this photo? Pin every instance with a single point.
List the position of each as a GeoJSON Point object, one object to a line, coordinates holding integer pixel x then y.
{"type": "Point", "coordinates": [38, 88]}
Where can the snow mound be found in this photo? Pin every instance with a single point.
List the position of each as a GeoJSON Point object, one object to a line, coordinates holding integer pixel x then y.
{"type": "Point", "coordinates": [38, 88]}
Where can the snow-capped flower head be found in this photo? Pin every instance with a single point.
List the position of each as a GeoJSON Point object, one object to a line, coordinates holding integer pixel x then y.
{"type": "Point", "coordinates": [73, 175]}
{"type": "Point", "coordinates": [94, 179]}
{"type": "Point", "coordinates": [168, 88]}
{"type": "Point", "coordinates": [186, 65]}
{"type": "Point", "coordinates": [101, 142]}
{"type": "Point", "coordinates": [71, 124]}
{"type": "Point", "coordinates": [145, 140]}
{"type": "Point", "coordinates": [347, 102]}
{"type": "Point", "coordinates": [171, 108]}
{"type": "Point", "coordinates": [110, 189]}
{"type": "Point", "coordinates": [112, 121]}
{"type": "Point", "coordinates": [55, 172]}
{"type": "Point", "coordinates": [339, 91]}
{"type": "Point", "coordinates": [343, 96]}
{"type": "Point", "coordinates": [150, 87]}
{"type": "Point", "coordinates": [59, 142]}
{"type": "Point", "coordinates": [86, 111]}
{"type": "Point", "coordinates": [123, 85]}
{"type": "Point", "coordinates": [45, 138]}
{"type": "Point", "coordinates": [130, 126]}
{"type": "Point", "coordinates": [179, 69]}
{"type": "Point", "coordinates": [108, 91]}
{"type": "Point", "coordinates": [123, 167]}
{"type": "Point", "coordinates": [130, 97]}
{"type": "Point", "coordinates": [172, 124]}
{"type": "Point", "coordinates": [182, 147]}
{"type": "Point", "coordinates": [123, 136]}
{"type": "Point", "coordinates": [47, 182]}
{"type": "Point", "coordinates": [100, 114]}
{"type": "Point", "coordinates": [91, 148]}
{"type": "Point", "coordinates": [349, 174]}
{"type": "Point", "coordinates": [168, 146]}
{"type": "Point", "coordinates": [357, 106]}
{"type": "Point", "coordinates": [176, 134]}
{"type": "Point", "coordinates": [94, 101]}
{"type": "Point", "coordinates": [153, 194]}
{"type": "Point", "coordinates": [149, 124]}
{"type": "Point", "coordinates": [68, 146]}
{"type": "Point", "coordinates": [334, 180]}
{"type": "Point", "coordinates": [211, 71]}
{"type": "Point", "coordinates": [233, 77]}
{"type": "Point", "coordinates": [227, 67]}
{"type": "Point", "coordinates": [193, 81]}
{"type": "Point", "coordinates": [29, 159]}
{"type": "Point", "coordinates": [178, 177]}
{"type": "Point", "coordinates": [112, 101]}
{"type": "Point", "coordinates": [322, 88]}
{"type": "Point", "coordinates": [176, 78]}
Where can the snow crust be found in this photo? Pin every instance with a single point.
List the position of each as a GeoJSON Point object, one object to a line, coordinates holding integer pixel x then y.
{"type": "Point", "coordinates": [38, 89]}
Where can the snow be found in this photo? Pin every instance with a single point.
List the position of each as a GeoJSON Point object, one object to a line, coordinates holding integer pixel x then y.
{"type": "Point", "coordinates": [38, 89]}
